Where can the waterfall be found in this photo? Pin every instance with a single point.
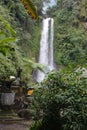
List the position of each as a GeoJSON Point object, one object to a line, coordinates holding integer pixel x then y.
{"type": "Point", "coordinates": [51, 61]}
{"type": "Point", "coordinates": [46, 47]}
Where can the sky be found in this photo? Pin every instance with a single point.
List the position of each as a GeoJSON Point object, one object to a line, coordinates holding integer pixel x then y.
{"type": "Point", "coordinates": [46, 5]}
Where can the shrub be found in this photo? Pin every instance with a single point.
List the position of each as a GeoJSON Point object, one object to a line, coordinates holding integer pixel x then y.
{"type": "Point", "coordinates": [63, 98]}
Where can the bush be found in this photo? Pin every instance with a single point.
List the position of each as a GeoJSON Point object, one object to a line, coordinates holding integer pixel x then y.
{"type": "Point", "coordinates": [63, 98]}
{"type": "Point", "coordinates": [36, 126]}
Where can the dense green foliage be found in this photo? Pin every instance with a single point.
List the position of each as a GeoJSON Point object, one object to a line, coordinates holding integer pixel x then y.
{"type": "Point", "coordinates": [70, 32]}
{"type": "Point", "coordinates": [20, 42]}
{"type": "Point", "coordinates": [63, 99]}
{"type": "Point", "coordinates": [25, 27]}
{"type": "Point", "coordinates": [8, 48]}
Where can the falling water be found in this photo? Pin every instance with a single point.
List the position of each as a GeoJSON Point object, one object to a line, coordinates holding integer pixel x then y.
{"type": "Point", "coordinates": [46, 47]}
{"type": "Point", "coordinates": [51, 62]}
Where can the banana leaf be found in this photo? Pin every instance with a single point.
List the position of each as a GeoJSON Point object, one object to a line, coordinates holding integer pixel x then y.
{"type": "Point", "coordinates": [31, 9]}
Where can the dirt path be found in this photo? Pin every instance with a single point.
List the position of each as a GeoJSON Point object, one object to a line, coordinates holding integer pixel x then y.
{"type": "Point", "coordinates": [24, 125]}
{"type": "Point", "coordinates": [13, 127]}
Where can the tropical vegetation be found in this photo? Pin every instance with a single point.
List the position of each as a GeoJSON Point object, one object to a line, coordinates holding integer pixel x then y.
{"type": "Point", "coordinates": [60, 101]}
{"type": "Point", "coordinates": [19, 38]}
{"type": "Point", "coordinates": [63, 101]}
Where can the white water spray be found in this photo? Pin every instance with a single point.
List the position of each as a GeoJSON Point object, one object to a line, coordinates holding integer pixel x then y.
{"type": "Point", "coordinates": [46, 47]}
{"type": "Point", "coordinates": [51, 61]}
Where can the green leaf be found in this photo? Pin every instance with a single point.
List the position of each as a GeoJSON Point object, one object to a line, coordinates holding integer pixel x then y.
{"type": "Point", "coordinates": [8, 40]}
{"type": "Point", "coordinates": [12, 31]}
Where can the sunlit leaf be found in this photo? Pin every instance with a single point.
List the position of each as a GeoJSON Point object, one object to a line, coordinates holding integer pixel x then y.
{"type": "Point", "coordinates": [31, 9]}
{"type": "Point", "coordinates": [7, 39]}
